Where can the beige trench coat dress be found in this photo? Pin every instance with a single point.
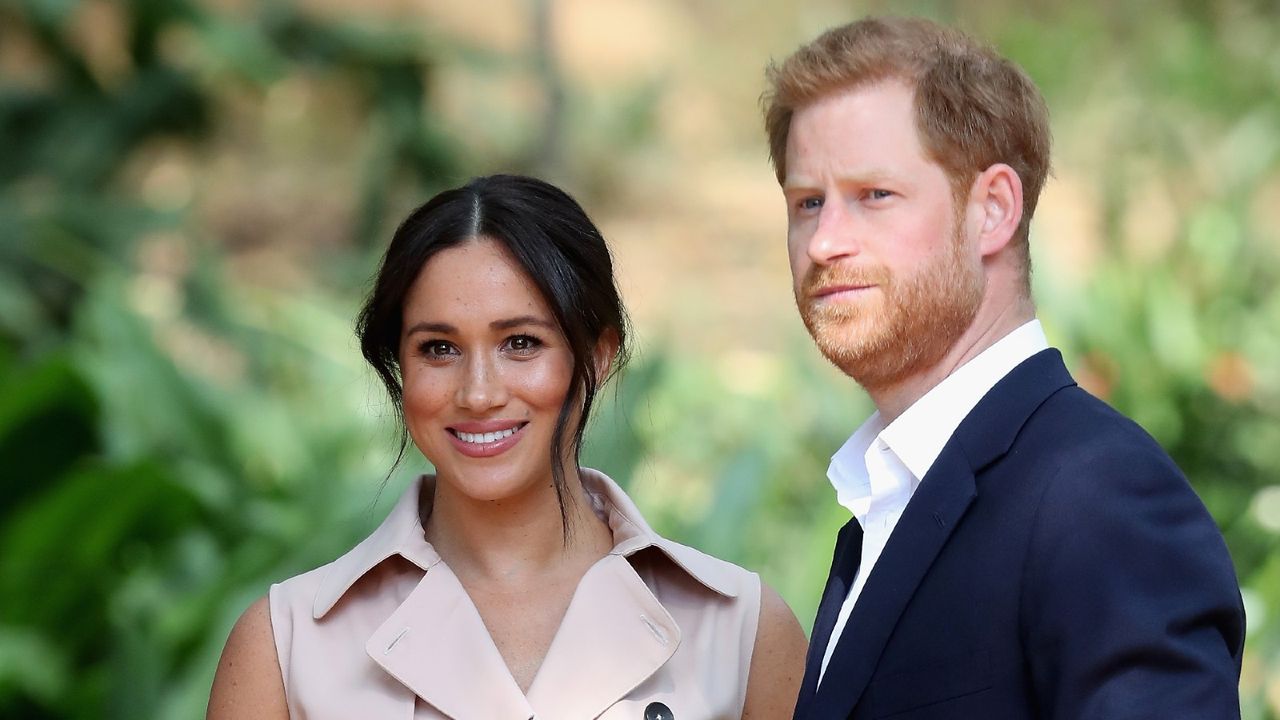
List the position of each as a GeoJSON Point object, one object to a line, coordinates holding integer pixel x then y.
{"type": "Point", "coordinates": [387, 631]}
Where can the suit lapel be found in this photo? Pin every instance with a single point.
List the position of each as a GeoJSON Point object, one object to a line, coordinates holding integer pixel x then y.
{"type": "Point", "coordinates": [844, 565]}
{"type": "Point", "coordinates": [929, 519]}
{"type": "Point", "coordinates": [939, 504]}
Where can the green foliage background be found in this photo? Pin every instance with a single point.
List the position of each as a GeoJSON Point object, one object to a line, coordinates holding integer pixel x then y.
{"type": "Point", "coordinates": [174, 437]}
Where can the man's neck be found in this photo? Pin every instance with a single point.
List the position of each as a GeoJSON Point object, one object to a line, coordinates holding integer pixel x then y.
{"type": "Point", "coordinates": [988, 327]}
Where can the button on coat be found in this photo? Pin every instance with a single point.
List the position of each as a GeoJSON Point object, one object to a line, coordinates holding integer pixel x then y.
{"type": "Point", "coordinates": [658, 711]}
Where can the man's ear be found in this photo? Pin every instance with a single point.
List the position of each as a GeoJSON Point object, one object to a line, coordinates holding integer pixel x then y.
{"type": "Point", "coordinates": [605, 351]}
{"type": "Point", "coordinates": [997, 194]}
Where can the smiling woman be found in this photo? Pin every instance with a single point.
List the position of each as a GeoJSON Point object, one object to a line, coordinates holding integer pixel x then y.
{"type": "Point", "coordinates": [486, 374]}
{"type": "Point", "coordinates": [512, 583]}
{"type": "Point", "coordinates": [551, 251]}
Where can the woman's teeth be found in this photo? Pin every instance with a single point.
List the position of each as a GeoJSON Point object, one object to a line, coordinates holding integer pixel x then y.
{"type": "Point", "coordinates": [482, 438]}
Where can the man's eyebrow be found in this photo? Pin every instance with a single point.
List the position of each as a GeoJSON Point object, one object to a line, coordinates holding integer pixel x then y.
{"type": "Point", "coordinates": [515, 322]}
{"type": "Point", "coordinates": [791, 183]}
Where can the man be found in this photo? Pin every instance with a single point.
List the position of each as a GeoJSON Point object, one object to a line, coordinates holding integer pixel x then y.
{"type": "Point", "coordinates": [1018, 549]}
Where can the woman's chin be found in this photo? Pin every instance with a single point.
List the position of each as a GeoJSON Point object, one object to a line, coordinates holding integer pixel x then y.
{"type": "Point", "coordinates": [493, 487]}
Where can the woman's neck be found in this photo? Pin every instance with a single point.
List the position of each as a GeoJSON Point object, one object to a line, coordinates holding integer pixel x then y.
{"type": "Point", "coordinates": [512, 540]}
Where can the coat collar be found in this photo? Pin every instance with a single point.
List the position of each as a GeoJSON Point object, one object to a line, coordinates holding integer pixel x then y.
{"type": "Point", "coordinates": [933, 513]}
{"type": "Point", "coordinates": [402, 534]}
{"type": "Point", "coordinates": [632, 534]}
{"type": "Point", "coordinates": [615, 633]}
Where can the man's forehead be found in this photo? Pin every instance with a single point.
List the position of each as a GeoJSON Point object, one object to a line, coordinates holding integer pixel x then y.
{"type": "Point", "coordinates": [894, 91]}
{"type": "Point", "coordinates": [868, 132]}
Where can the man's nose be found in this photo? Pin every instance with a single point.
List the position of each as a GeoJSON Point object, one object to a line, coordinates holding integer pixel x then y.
{"type": "Point", "coordinates": [482, 387]}
{"type": "Point", "coordinates": [836, 236]}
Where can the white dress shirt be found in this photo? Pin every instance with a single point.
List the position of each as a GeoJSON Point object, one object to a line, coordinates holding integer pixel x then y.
{"type": "Point", "coordinates": [878, 469]}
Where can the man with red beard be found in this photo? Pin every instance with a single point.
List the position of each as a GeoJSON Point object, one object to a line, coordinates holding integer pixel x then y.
{"type": "Point", "coordinates": [1017, 549]}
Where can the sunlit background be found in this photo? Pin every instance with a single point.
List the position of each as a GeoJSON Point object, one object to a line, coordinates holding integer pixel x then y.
{"type": "Point", "coordinates": [193, 196]}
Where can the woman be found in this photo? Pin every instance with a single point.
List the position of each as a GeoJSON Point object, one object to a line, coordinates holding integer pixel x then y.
{"type": "Point", "coordinates": [512, 584]}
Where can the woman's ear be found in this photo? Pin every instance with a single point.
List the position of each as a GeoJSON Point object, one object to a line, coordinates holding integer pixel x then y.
{"type": "Point", "coordinates": [605, 351]}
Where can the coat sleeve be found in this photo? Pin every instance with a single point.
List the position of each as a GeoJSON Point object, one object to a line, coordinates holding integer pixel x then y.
{"type": "Point", "coordinates": [1130, 606]}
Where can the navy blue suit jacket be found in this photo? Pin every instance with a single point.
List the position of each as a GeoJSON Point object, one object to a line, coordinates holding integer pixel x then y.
{"type": "Point", "coordinates": [1053, 563]}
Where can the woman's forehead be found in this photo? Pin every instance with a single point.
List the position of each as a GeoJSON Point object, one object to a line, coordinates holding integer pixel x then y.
{"type": "Point", "coordinates": [479, 278]}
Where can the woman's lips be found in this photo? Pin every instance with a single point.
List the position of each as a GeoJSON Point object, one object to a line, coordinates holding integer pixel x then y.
{"type": "Point", "coordinates": [487, 438]}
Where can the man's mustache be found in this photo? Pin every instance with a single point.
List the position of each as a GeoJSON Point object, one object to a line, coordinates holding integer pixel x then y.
{"type": "Point", "coordinates": [823, 279]}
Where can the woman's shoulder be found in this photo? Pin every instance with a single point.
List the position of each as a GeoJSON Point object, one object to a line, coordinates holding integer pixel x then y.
{"type": "Point", "coordinates": [249, 680]}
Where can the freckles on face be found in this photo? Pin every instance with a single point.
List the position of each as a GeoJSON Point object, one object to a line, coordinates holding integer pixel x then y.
{"type": "Point", "coordinates": [485, 370]}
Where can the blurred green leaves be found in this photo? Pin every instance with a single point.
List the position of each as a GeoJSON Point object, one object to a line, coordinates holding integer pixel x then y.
{"type": "Point", "coordinates": [173, 440]}
{"type": "Point", "coordinates": [156, 474]}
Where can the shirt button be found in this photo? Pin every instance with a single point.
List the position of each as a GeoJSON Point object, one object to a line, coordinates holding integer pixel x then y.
{"type": "Point", "coordinates": [658, 711]}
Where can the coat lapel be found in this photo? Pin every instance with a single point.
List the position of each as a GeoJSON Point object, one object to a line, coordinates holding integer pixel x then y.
{"type": "Point", "coordinates": [437, 645]}
{"type": "Point", "coordinates": [939, 504]}
{"type": "Point", "coordinates": [614, 636]}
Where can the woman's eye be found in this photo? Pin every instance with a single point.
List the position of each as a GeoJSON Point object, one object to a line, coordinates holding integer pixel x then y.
{"type": "Point", "coordinates": [436, 349]}
{"type": "Point", "coordinates": [523, 343]}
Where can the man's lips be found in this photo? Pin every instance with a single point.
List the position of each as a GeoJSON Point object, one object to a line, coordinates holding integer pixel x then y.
{"type": "Point", "coordinates": [833, 292]}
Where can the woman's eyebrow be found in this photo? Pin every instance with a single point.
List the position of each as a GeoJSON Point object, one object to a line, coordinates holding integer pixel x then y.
{"type": "Point", "coordinates": [521, 320]}
{"type": "Point", "coordinates": [504, 324]}
{"type": "Point", "coordinates": [431, 327]}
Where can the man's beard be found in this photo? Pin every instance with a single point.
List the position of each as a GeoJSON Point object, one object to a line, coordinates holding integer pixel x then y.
{"type": "Point", "coordinates": [908, 327]}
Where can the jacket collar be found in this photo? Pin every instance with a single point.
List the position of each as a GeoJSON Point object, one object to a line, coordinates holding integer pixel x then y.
{"type": "Point", "coordinates": [989, 431]}
{"type": "Point", "coordinates": [402, 534]}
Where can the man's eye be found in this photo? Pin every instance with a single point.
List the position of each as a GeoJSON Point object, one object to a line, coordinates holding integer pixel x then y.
{"type": "Point", "coordinates": [878, 194]}
{"type": "Point", "coordinates": [810, 203]}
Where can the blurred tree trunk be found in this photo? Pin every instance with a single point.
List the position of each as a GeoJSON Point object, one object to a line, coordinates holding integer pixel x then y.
{"type": "Point", "coordinates": [548, 159]}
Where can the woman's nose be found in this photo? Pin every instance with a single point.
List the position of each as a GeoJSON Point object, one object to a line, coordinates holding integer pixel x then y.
{"type": "Point", "coordinates": [482, 386]}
